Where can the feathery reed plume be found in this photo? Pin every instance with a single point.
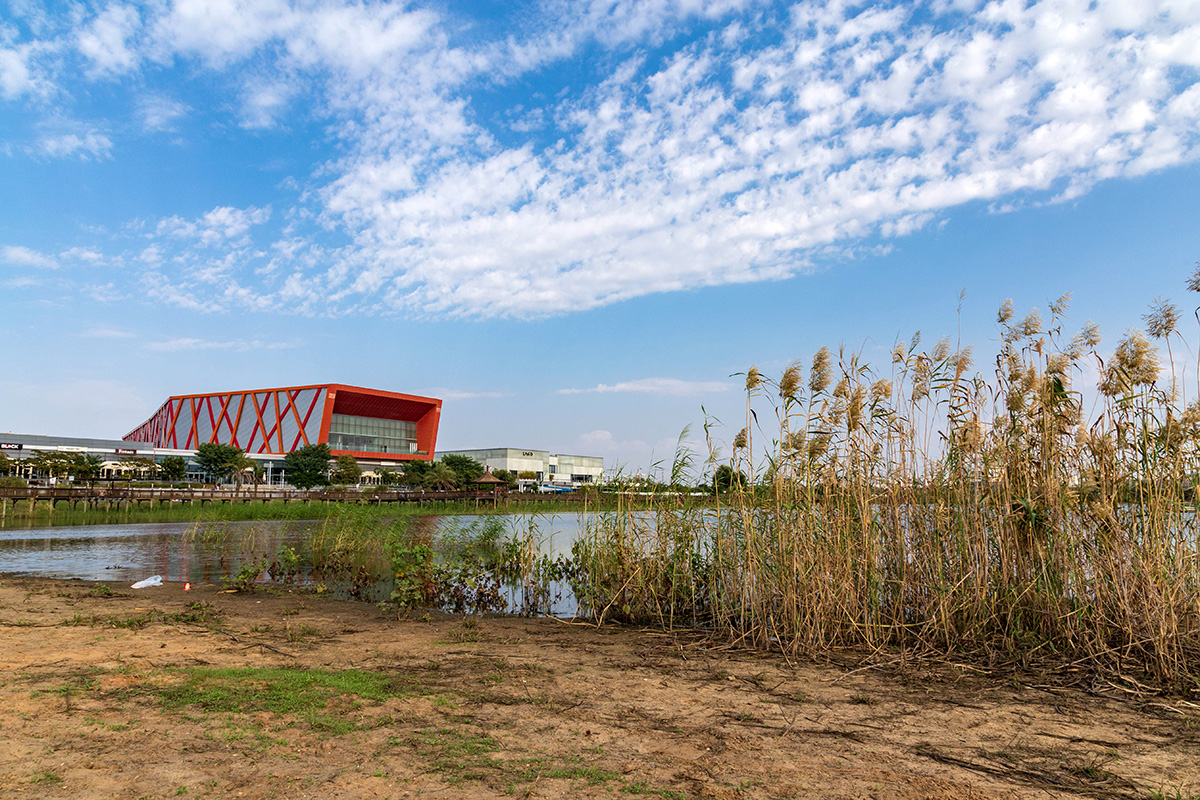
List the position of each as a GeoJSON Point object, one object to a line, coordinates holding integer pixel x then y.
{"type": "Point", "coordinates": [1162, 319]}
{"type": "Point", "coordinates": [753, 379]}
{"type": "Point", "coordinates": [821, 373]}
{"type": "Point", "coordinates": [789, 382]}
{"type": "Point", "coordinates": [1133, 364]}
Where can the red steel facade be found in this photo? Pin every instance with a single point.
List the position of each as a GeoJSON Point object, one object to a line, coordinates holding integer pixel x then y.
{"type": "Point", "coordinates": [277, 421]}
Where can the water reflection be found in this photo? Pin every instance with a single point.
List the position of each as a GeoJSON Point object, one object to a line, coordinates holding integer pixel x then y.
{"type": "Point", "coordinates": [213, 552]}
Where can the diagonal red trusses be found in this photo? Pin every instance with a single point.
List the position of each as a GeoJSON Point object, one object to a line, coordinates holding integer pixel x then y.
{"type": "Point", "coordinates": [259, 423]}
{"type": "Point", "coordinates": [317, 395]}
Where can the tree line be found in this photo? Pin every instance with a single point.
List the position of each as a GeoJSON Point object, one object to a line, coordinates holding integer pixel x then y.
{"type": "Point", "coordinates": [305, 468]}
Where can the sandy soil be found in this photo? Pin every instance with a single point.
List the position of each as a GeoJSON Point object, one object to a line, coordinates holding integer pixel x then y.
{"type": "Point", "coordinates": [497, 707]}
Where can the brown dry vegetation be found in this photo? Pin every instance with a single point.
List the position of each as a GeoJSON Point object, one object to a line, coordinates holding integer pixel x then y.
{"type": "Point", "coordinates": [1009, 514]}
{"type": "Point", "coordinates": [109, 692]}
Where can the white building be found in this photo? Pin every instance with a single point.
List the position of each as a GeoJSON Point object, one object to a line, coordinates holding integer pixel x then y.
{"type": "Point", "coordinates": [550, 468]}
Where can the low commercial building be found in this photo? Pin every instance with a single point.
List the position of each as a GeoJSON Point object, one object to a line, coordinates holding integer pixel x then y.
{"type": "Point", "coordinates": [551, 468]}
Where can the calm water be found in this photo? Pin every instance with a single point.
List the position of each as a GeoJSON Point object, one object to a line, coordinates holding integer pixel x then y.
{"type": "Point", "coordinates": [130, 552]}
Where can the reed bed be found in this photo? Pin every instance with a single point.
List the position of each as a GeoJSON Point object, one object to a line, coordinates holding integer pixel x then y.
{"type": "Point", "coordinates": [1012, 513]}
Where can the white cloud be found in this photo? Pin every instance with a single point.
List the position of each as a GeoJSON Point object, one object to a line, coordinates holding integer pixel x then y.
{"type": "Point", "coordinates": [105, 41]}
{"type": "Point", "coordinates": [222, 224]}
{"type": "Point", "coordinates": [664, 386]}
{"type": "Point", "coordinates": [264, 103]}
{"type": "Point", "coordinates": [15, 77]}
{"type": "Point", "coordinates": [459, 394]}
{"type": "Point", "coordinates": [185, 343]}
{"type": "Point", "coordinates": [87, 144]}
{"type": "Point", "coordinates": [160, 113]}
{"type": "Point", "coordinates": [718, 142]}
{"type": "Point", "coordinates": [82, 255]}
{"type": "Point", "coordinates": [17, 255]}
{"type": "Point", "coordinates": [106, 332]}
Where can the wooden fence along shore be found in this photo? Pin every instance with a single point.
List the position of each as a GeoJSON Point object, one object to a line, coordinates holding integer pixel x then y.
{"type": "Point", "coordinates": [115, 497]}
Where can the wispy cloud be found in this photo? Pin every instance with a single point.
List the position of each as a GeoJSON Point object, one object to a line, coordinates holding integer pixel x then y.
{"type": "Point", "coordinates": [19, 256]}
{"type": "Point", "coordinates": [459, 394]}
{"type": "Point", "coordinates": [664, 386]}
{"type": "Point", "coordinates": [160, 113]}
{"type": "Point", "coordinates": [104, 332]}
{"type": "Point", "coordinates": [174, 345]}
{"type": "Point", "coordinates": [85, 145]}
{"type": "Point", "coordinates": [216, 226]}
{"type": "Point", "coordinates": [710, 143]}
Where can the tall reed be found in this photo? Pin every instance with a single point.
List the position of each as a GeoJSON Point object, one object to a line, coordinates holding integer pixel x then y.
{"type": "Point", "coordinates": [944, 510]}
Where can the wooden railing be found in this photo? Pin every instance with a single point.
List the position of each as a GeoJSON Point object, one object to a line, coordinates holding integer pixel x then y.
{"type": "Point", "coordinates": [232, 494]}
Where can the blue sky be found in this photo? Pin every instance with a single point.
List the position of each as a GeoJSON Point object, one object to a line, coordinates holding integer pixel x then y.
{"type": "Point", "coordinates": [571, 221]}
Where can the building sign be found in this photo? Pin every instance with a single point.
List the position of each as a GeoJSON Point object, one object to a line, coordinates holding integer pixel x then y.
{"type": "Point", "coordinates": [125, 451]}
{"type": "Point", "coordinates": [527, 453]}
{"type": "Point", "coordinates": [68, 449]}
{"type": "Point", "coordinates": [11, 446]}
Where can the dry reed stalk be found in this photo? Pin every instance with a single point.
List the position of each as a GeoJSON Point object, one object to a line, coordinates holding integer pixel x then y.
{"type": "Point", "coordinates": [937, 510]}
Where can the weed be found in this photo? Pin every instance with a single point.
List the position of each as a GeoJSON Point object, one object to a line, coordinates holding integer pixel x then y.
{"type": "Point", "coordinates": [314, 696]}
{"type": "Point", "coordinates": [1178, 793]}
{"type": "Point", "coordinates": [45, 777]}
{"type": "Point", "coordinates": [458, 756]}
{"type": "Point", "coordinates": [301, 633]}
{"type": "Point", "coordinates": [247, 576]}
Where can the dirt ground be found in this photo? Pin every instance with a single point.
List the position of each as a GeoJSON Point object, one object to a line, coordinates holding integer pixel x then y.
{"type": "Point", "coordinates": [113, 692]}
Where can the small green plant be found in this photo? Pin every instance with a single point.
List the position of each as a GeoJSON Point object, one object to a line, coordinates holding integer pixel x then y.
{"type": "Point", "coordinates": [247, 576]}
{"type": "Point", "coordinates": [286, 566]}
{"type": "Point", "coordinates": [45, 777]}
{"type": "Point", "coordinates": [1178, 793]}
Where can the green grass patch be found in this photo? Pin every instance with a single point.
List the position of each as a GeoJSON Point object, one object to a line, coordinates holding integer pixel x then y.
{"type": "Point", "coordinates": [316, 697]}
{"type": "Point", "coordinates": [45, 777]}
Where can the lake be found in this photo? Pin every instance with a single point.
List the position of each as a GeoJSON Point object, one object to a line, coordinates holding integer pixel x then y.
{"type": "Point", "coordinates": [216, 551]}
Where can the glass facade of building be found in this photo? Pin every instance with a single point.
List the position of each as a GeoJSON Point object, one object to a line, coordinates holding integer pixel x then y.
{"type": "Point", "coordinates": [371, 435]}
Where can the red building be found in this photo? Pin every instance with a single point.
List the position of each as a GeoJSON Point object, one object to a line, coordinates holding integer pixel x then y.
{"type": "Point", "coordinates": [364, 423]}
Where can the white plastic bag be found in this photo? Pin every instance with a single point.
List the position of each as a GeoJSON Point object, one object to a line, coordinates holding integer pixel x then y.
{"type": "Point", "coordinates": [153, 580]}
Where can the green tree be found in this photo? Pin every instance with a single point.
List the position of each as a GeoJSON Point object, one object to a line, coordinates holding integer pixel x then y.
{"type": "Point", "coordinates": [346, 470]}
{"type": "Point", "coordinates": [217, 460]}
{"type": "Point", "coordinates": [308, 466]}
{"type": "Point", "coordinates": [509, 478]}
{"type": "Point", "coordinates": [53, 463]}
{"type": "Point", "coordinates": [244, 467]}
{"type": "Point", "coordinates": [173, 468]}
{"type": "Point", "coordinates": [138, 466]}
{"type": "Point", "coordinates": [87, 467]}
{"type": "Point", "coordinates": [441, 476]}
{"type": "Point", "coordinates": [7, 464]}
{"type": "Point", "coordinates": [414, 473]}
{"type": "Point", "coordinates": [387, 477]}
{"type": "Point", "coordinates": [466, 468]}
{"type": "Point", "coordinates": [725, 479]}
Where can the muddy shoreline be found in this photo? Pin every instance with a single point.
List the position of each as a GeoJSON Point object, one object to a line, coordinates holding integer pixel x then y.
{"type": "Point", "coordinates": [162, 692]}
